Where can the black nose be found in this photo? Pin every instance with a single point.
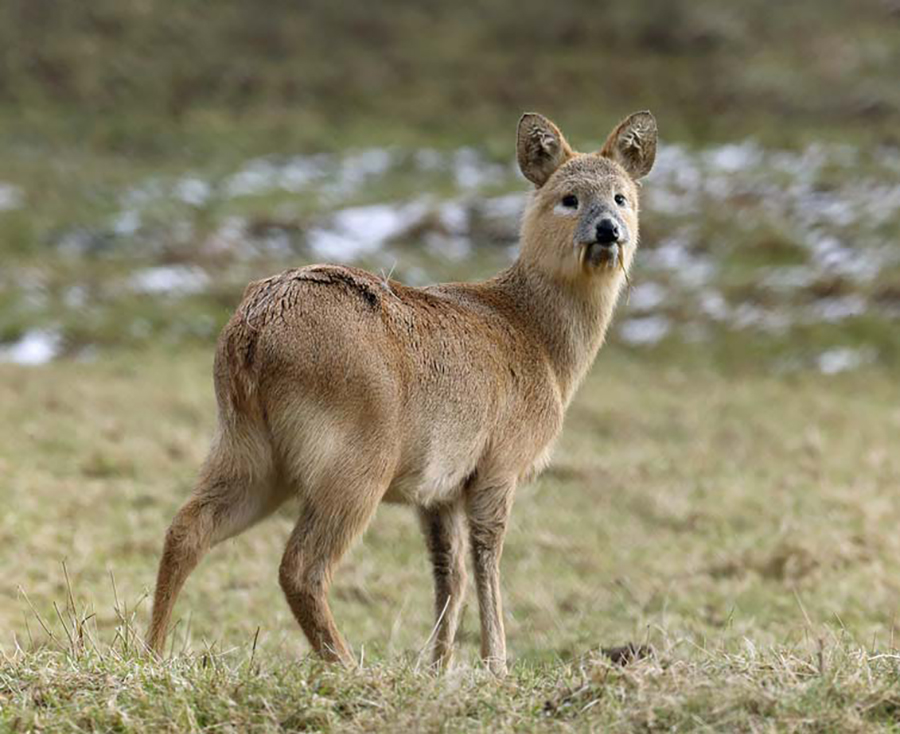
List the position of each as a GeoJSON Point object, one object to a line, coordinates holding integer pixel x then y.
{"type": "Point", "coordinates": [607, 232]}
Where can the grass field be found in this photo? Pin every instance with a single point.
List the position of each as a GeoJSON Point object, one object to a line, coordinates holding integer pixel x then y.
{"type": "Point", "coordinates": [741, 524]}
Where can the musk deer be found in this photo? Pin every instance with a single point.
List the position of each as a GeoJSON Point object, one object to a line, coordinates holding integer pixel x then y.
{"type": "Point", "coordinates": [347, 390]}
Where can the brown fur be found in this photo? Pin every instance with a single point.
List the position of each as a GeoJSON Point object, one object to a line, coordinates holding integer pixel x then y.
{"type": "Point", "coordinates": [349, 390]}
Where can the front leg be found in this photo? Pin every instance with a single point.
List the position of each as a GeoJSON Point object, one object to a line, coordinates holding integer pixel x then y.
{"type": "Point", "coordinates": [488, 507]}
{"type": "Point", "coordinates": [444, 530]}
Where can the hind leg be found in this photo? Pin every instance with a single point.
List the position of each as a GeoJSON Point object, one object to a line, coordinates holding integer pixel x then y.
{"type": "Point", "coordinates": [445, 536]}
{"type": "Point", "coordinates": [331, 519]}
{"type": "Point", "coordinates": [227, 500]}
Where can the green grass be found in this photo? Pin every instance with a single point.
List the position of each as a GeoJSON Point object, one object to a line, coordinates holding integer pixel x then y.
{"type": "Point", "coordinates": [741, 523]}
{"type": "Point", "coordinates": [838, 688]}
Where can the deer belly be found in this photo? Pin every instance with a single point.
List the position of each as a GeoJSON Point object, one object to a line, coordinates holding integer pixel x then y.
{"type": "Point", "coordinates": [437, 471]}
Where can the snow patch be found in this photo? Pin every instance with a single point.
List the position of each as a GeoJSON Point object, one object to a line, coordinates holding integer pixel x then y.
{"type": "Point", "coordinates": [837, 309]}
{"type": "Point", "coordinates": [36, 347]}
{"type": "Point", "coordinates": [11, 197]}
{"type": "Point", "coordinates": [471, 171]}
{"type": "Point", "coordinates": [362, 230]}
{"type": "Point", "coordinates": [644, 331]}
{"type": "Point", "coordinates": [193, 191]}
{"type": "Point", "coordinates": [180, 279]}
{"type": "Point", "coordinates": [646, 296]}
{"type": "Point", "coordinates": [842, 359]}
{"type": "Point", "coordinates": [126, 223]}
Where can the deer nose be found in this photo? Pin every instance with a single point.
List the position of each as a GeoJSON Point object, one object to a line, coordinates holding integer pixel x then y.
{"type": "Point", "coordinates": [607, 232]}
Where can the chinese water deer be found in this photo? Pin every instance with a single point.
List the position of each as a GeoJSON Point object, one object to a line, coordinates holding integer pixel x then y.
{"type": "Point", "coordinates": [347, 390]}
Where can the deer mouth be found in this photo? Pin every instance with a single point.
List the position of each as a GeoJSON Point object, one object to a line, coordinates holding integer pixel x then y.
{"type": "Point", "coordinates": [599, 254]}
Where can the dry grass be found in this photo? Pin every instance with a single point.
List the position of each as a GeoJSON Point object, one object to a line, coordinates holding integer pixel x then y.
{"type": "Point", "coordinates": [841, 689]}
{"type": "Point", "coordinates": [743, 525]}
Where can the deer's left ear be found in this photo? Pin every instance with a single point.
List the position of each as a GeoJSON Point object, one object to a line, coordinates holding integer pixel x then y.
{"type": "Point", "coordinates": [633, 144]}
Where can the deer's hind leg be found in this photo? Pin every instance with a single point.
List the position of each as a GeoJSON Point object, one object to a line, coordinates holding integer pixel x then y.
{"type": "Point", "coordinates": [340, 449]}
{"type": "Point", "coordinates": [334, 514]}
{"type": "Point", "coordinates": [237, 488]}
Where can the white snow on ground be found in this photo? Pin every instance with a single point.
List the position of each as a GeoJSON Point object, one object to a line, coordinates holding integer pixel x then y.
{"type": "Point", "coordinates": [454, 217]}
{"type": "Point", "coordinates": [842, 359]}
{"type": "Point", "coordinates": [646, 297]}
{"type": "Point", "coordinates": [835, 225]}
{"type": "Point", "coordinates": [675, 255]}
{"type": "Point", "coordinates": [261, 175]}
{"type": "Point", "coordinates": [361, 230]}
{"type": "Point", "coordinates": [643, 331]}
{"type": "Point", "coordinates": [713, 305]}
{"type": "Point", "coordinates": [836, 309]}
{"type": "Point", "coordinates": [192, 190]}
{"type": "Point", "coordinates": [357, 168]}
{"type": "Point", "coordinates": [181, 279]}
{"type": "Point", "coordinates": [471, 170]}
{"type": "Point", "coordinates": [126, 223]}
{"type": "Point", "coordinates": [36, 347]}
{"type": "Point", "coordinates": [11, 197]}
{"type": "Point", "coordinates": [508, 207]}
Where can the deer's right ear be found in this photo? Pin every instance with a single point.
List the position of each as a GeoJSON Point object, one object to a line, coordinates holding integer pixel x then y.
{"type": "Point", "coordinates": [540, 148]}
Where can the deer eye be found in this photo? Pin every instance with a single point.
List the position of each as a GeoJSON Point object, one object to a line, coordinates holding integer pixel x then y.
{"type": "Point", "coordinates": [620, 200]}
{"type": "Point", "coordinates": [570, 201]}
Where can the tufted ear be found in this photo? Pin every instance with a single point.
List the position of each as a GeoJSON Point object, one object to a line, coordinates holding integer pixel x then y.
{"type": "Point", "coordinates": [540, 148]}
{"type": "Point", "coordinates": [633, 144]}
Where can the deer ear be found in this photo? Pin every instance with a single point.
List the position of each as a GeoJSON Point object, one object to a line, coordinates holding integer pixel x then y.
{"type": "Point", "coordinates": [633, 144]}
{"type": "Point", "coordinates": [540, 148]}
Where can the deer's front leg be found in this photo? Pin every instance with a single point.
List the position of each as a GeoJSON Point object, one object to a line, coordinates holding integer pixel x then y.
{"type": "Point", "coordinates": [445, 535]}
{"type": "Point", "coordinates": [488, 507]}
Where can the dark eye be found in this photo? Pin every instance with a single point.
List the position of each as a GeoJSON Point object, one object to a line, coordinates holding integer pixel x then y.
{"type": "Point", "coordinates": [620, 200]}
{"type": "Point", "coordinates": [570, 201]}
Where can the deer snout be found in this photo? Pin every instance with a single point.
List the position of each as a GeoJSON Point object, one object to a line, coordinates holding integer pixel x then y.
{"type": "Point", "coordinates": [607, 232]}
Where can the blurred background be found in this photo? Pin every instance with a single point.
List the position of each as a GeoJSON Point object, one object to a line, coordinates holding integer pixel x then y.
{"type": "Point", "coordinates": [155, 155]}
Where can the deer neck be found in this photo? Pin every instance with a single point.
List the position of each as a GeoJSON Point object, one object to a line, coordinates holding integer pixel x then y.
{"type": "Point", "coordinates": [569, 318]}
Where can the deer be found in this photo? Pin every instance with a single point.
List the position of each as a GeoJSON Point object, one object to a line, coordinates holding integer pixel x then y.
{"type": "Point", "coordinates": [346, 389]}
